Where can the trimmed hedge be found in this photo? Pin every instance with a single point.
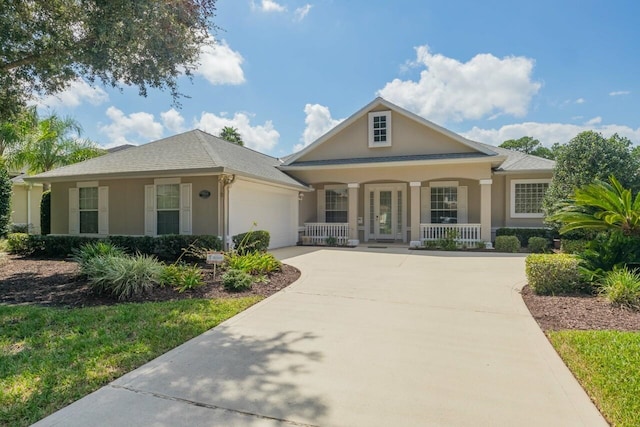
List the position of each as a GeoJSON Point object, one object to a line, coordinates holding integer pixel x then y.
{"type": "Point", "coordinates": [573, 246]}
{"type": "Point", "coordinates": [524, 234]}
{"type": "Point", "coordinates": [251, 241]}
{"type": "Point", "coordinates": [168, 247]}
{"type": "Point", "coordinates": [538, 244]}
{"type": "Point", "coordinates": [45, 213]}
{"type": "Point", "coordinates": [553, 274]}
{"type": "Point", "coordinates": [507, 244]}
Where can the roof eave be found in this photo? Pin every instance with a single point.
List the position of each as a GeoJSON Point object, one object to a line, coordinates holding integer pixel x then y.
{"type": "Point", "coordinates": [523, 171]}
{"type": "Point", "coordinates": [491, 159]}
{"type": "Point", "coordinates": [127, 175]}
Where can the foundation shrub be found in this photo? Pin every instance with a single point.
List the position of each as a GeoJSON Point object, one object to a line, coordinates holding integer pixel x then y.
{"type": "Point", "coordinates": [251, 241]}
{"type": "Point", "coordinates": [507, 244]}
{"type": "Point", "coordinates": [524, 234]}
{"type": "Point", "coordinates": [538, 245]}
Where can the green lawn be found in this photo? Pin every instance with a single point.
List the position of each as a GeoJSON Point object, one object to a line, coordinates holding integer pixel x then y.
{"type": "Point", "coordinates": [607, 364]}
{"type": "Point", "coordinates": [51, 357]}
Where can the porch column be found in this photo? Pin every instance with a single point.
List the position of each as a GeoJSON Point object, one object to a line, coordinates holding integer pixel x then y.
{"type": "Point", "coordinates": [415, 210]}
{"type": "Point", "coordinates": [485, 209]}
{"type": "Point", "coordinates": [353, 210]}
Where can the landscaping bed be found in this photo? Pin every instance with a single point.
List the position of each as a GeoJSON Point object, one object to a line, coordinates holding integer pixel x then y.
{"type": "Point", "coordinates": [582, 312]}
{"type": "Point", "coordinates": [56, 283]}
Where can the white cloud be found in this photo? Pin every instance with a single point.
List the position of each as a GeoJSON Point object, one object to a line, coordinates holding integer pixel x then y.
{"type": "Point", "coordinates": [619, 92]}
{"type": "Point", "coordinates": [261, 138]}
{"type": "Point", "coordinates": [301, 12]}
{"type": "Point", "coordinates": [139, 125]}
{"type": "Point", "coordinates": [78, 92]}
{"type": "Point", "coordinates": [220, 64]}
{"type": "Point", "coordinates": [318, 121]}
{"type": "Point", "coordinates": [450, 90]}
{"type": "Point", "coordinates": [594, 121]}
{"type": "Point", "coordinates": [549, 133]}
{"type": "Point", "coordinates": [580, 101]}
{"type": "Point", "coordinates": [173, 120]}
{"type": "Point", "coordinates": [269, 6]}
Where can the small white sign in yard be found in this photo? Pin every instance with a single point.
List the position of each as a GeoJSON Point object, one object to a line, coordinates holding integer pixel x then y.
{"type": "Point", "coordinates": [215, 258]}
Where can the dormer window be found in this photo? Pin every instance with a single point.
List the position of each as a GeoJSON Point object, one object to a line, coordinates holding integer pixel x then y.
{"type": "Point", "coordinates": [380, 129]}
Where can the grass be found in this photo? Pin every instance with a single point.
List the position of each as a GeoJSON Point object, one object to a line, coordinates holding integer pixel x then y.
{"type": "Point", "coordinates": [50, 357]}
{"type": "Point", "coordinates": [607, 364]}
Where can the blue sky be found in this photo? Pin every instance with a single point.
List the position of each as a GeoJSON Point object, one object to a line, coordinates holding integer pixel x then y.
{"type": "Point", "coordinates": [284, 72]}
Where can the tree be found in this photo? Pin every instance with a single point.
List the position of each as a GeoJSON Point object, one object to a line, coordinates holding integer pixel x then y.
{"type": "Point", "coordinates": [14, 131]}
{"type": "Point", "coordinates": [602, 206]}
{"type": "Point", "coordinates": [529, 145]}
{"type": "Point", "coordinates": [147, 43]}
{"type": "Point", "coordinates": [231, 134]}
{"type": "Point", "coordinates": [54, 142]}
{"type": "Point", "coordinates": [5, 199]}
{"type": "Point", "coordinates": [586, 158]}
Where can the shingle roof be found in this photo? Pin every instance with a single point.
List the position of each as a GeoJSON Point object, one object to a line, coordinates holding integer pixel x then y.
{"type": "Point", "coordinates": [517, 161]}
{"type": "Point", "coordinates": [193, 151]}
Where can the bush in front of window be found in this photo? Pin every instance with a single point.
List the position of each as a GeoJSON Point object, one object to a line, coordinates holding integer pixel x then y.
{"type": "Point", "coordinates": [507, 244]}
{"type": "Point", "coordinates": [251, 241]}
{"type": "Point", "coordinates": [538, 245]}
{"type": "Point", "coordinates": [553, 274]}
{"type": "Point", "coordinates": [524, 234]}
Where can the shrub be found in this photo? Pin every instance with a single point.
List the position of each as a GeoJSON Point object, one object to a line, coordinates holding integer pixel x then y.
{"type": "Point", "coordinates": [236, 280]}
{"type": "Point", "coordinates": [607, 252]}
{"type": "Point", "coordinates": [123, 276]}
{"type": "Point", "coordinates": [18, 243]}
{"type": "Point", "coordinates": [5, 200]}
{"type": "Point", "coordinates": [573, 246]}
{"type": "Point", "coordinates": [182, 277]}
{"type": "Point", "coordinates": [19, 228]}
{"type": "Point", "coordinates": [45, 213]}
{"type": "Point", "coordinates": [91, 250]}
{"type": "Point", "coordinates": [553, 274]}
{"type": "Point", "coordinates": [507, 244]}
{"type": "Point", "coordinates": [622, 287]}
{"type": "Point", "coordinates": [251, 241]}
{"type": "Point", "coordinates": [538, 244]}
{"type": "Point", "coordinates": [524, 234]}
{"type": "Point", "coordinates": [253, 262]}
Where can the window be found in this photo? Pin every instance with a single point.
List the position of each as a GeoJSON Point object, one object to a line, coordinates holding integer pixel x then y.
{"type": "Point", "coordinates": [380, 129]}
{"type": "Point", "coordinates": [526, 197]}
{"type": "Point", "coordinates": [336, 204]}
{"type": "Point", "coordinates": [444, 205]}
{"type": "Point", "coordinates": [167, 205]}
{"type": "Point", "coordinates": [168, 208]}
{"type": "Point", "coordinates": [88, 210]}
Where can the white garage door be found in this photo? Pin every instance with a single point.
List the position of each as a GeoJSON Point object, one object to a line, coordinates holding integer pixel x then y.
{"type": "Point", "coordinates": [271, 208]}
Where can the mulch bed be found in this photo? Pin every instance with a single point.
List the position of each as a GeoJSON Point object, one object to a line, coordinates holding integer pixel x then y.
{"type": "Point", "coordinates": [55, 283]}
{"type": "Point", "coordinates": [579, 312]}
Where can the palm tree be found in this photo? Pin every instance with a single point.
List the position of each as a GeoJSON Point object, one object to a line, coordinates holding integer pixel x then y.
{"type": "Point", "coordinates": [14, 132]}
{"type": "Point", "coordinates": [54, 142]}
{"type": "Point", "coordinates": [602, 206]}
{"type": "Point", "coordinates": [231, 134]}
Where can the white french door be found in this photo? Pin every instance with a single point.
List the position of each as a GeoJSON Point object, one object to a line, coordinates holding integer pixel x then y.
{"type": "Point", "coordinates": [385, 212]}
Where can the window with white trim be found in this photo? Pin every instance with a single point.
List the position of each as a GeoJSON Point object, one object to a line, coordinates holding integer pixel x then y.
{"type": "Point", "coordinates": [444, 205]}
{"type": "Point", "coordinates": [380, 129]}
{"type": "Point", "coordinates": [167, 205]}
{"type": "Point", "coordinates": [336, 202]}
{"type": "Point", "coordinates": [527, 196]}
{"type": "Point", "coordinates": [88, 210]}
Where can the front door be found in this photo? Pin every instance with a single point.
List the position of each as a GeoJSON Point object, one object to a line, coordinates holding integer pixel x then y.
{"type": "Point", "coordinates": [385, 212]}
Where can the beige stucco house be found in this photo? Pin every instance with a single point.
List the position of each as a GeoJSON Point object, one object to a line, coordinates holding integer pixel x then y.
{"type": "Point", "coordinates": [383, 174]}
{"type": "Point", "coordinates": [25, 203]}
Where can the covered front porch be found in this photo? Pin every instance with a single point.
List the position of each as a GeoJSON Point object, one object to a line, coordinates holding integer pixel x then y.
{"type": "Point", "coordinates": [412, 212]}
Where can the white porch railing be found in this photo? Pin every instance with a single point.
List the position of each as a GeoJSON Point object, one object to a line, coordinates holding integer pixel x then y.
{"type": "Point", "coordinates": [463, 233]}
{"type": "Point", "coordinates": [316, 233]}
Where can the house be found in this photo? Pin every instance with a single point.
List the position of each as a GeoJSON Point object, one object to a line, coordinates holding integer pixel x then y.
{"type": "Point", "coordinates": [383, 174]}
{"type": "Point", "coordinates": [25, 203]}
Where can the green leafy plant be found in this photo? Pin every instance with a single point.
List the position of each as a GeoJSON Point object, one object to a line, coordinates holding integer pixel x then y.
{"type": "Point", "coordinates": [621, 287]}
{"type": "Point", "coordinates": [253, 262]}
{"type": "Point", "coordinates": [507, 244]}
{"type": "Point", "coordinates": [524, 234]}
{"type": "Point", "coordinates": [182, 277]}
{"type": "Point", "coordinates": [45, 213]}
{"type": "Point", "coordinates": [450, 241]}
{"type": "Point", "coordinates": [5, 200]}
{"type": "Point", "coordinates": [538, 244]}
{"type": "Point", "coordinates": [235, 280]}
{"type": "Point", "coordinates": [91, 250]}
{"type": "Point", "coordinates": [430, 244]}
{"type": "Point", "coordinates": [251, 241]}
{"type": "Point", "coordinates": [123, 276]}
{"type": "Point", "coordinates": [18, 244]}
{"type": "Point", "coordinates": [331, 241]}
{"type": "Point", "coordinates": [607, 252]}
{"type": "Point", "coordinates": [570, 246]}
{"type": "Point", "coordinates": [553, 274]}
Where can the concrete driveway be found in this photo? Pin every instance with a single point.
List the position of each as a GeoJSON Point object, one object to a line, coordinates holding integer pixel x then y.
{"type": "Point", "coordinates": [366, 337]}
